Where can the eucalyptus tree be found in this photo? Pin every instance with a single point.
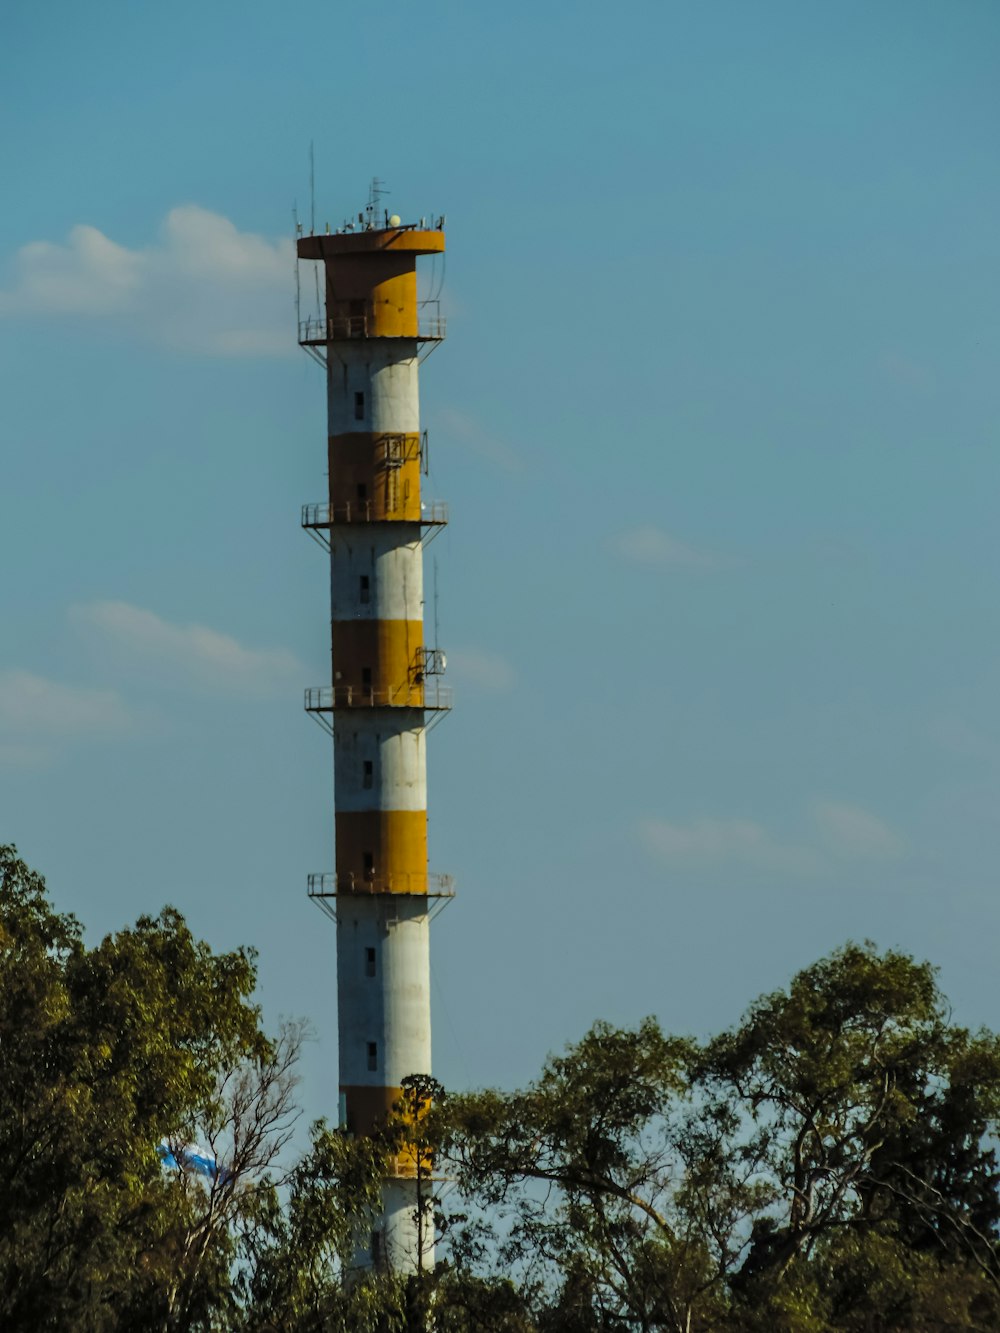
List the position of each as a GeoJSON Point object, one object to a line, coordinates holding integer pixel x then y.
{"type": "Point", "coordinates": [105, 1052]}
{"type": "Point", "coordinates": [826, 1164]}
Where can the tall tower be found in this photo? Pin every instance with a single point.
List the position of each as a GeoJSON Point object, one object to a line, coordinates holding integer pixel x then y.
{"type": "Point", "coordinates": [385, 681]}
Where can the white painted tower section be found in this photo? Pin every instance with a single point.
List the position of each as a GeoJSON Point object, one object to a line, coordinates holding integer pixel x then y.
{"type": "Point", "coordinates": [388, 1010]}
{"type": "Point", "coordinates": [393, 563]}
{"type": "Point", "coordinates": [388, 378]}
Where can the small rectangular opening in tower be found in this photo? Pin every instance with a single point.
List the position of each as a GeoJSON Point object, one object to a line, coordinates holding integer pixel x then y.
{"type": "Point", "coordinates": [365, 589]}
{"type": "Point", "coordinates": [372, 1056]}
{"type": "Point", "coordinates": [366, 681]}
{"type": "Point", "coordinates": [369, 962]}
{"type": "Point", "coordinates": [368, 775]}
{"type": "Point", "coordinates": [359, 407]}
{"type": "Point", "coordinates": [369, 865]}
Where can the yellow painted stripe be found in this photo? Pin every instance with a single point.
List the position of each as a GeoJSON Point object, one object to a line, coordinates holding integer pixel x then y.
{"type": "Point", "coordinates": [368, 1109]}
{"type": "Point", "coordinates": [374, 477]}
{"type": "Point", "coordinates": [394, 304]}
{"type": "Point", "coordinates": [390, 651]}
{"type": "Point", "coordinates": [381, 850]}
{"type": "Point", "coordinates": [382, 287]}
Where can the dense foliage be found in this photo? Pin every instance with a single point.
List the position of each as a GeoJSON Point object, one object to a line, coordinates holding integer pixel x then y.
{"type": "Point", "coordinates": [828, 1164]}
{"type": "Point", "coordinates": [148, 1038]}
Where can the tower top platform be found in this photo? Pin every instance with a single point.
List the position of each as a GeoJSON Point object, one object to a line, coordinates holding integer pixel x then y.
{"type": "Point", "coordinates": [395, 240]}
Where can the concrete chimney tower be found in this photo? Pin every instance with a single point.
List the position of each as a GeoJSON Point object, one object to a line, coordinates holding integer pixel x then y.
{"type": "Point", "coordinates": [385, 686]}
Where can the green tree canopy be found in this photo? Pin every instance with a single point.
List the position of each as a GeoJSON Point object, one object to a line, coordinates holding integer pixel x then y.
{"type": "Point", "coordinates": [825, 1166]}
{"type": "Point", "coordinates": [104, 1052]}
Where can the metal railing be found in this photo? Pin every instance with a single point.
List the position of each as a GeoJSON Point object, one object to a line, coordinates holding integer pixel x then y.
{"type": "Point", "coordinates": [317, 330]}
{"type": "Point", "coordinates": [433, 513]}
{"type": "Point", "coordinates": [433, 327]}
{"type": "Point", "coordinates": [433, 697]}
{"type": "Point", "coordinates": [426, 885]}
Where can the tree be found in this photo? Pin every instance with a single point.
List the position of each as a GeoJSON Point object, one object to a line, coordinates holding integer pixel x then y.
{"type": "Point", "coordinates": [42, 1121]}
{"type": "Point", "coordinates": [246, 1124]}
{"type": "Point", "coordinates": [867, 1113]}
{"type": "Point", "coordinates": [103, 1053]}
{"type": "Point", "coordinates": [827, 1164]}
{"type": "Point", "coordinates": [586, 1165]}
{"type": "Point", "coordinates": [293, 1262]}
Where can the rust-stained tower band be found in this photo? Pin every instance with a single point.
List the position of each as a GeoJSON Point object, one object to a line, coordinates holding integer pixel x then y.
{"type": "Point", "coordinates": [384, 677]}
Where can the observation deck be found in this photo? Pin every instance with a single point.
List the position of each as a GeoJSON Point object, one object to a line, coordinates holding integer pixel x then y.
{"type": "Point", "coordinates": [331, 885]}
{"type": "Point", "coordinates": [323, 700]}
{"type": "Point", "coordinates": [433, 514]}
{"type": "Point", "coordinates": [325, 889]}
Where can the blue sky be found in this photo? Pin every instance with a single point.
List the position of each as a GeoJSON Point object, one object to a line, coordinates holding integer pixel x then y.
{"type": "Point", "coordinates": [717, 420]}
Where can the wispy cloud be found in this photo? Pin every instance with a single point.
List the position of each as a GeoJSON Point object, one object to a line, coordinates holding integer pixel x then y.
{"type": "Point", "coordinates": [196, 654]}
{"type": "Point", "coordinates": [720, 842]}
{"type": "Point", "coordinates": [649, 545]}
{"type": "Point", "coordinates": [850, 831]}
{"type": "Point", "coordinates": [38, 715]}
{"type": "Point", "coordinates": [31, 704]}
{"type": "Point", "coordinates": [478, 667]}
{"type": "Point", "coordinates": [202, 285]}
{"type": "Point", "coordinates": [836, 832]}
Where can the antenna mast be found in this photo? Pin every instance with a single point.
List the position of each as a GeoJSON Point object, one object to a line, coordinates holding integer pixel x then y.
{"type": "Point", "coordinates": [437, 636]}
{"type": "Point", "coordinates": [312, 190]}
{"type": "Point", "coordinates": [375, 192]}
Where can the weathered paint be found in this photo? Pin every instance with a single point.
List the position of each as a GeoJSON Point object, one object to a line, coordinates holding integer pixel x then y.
{"type": "Point", "coordinates": [374, 478]}
{"type": "Point", "coordinates": [373, 416]}
{"type": "Point", "coordinates": [391, 1008]}
{"type": "Point", "coordinates": [385, 850]}
{"type": "Point", "coordinates": [380, 290]}
{"type": "Point", "coordinates": [386, 376]}
{"type": "Point", "coordinates": [390, 558]}
{"type": "Point", "coordinates": [376, 600]}
{"type": "Point", "coordinates": [389, 651]}
{"type": "Point", "coordinates": [396, 752]}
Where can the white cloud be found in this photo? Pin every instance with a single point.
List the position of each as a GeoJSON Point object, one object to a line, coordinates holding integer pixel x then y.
{"type": "Point", "coordinates": [91, 275]}
{"type": "Point", "coordinates": [196, 653]}
{"type": "Point", "coordinates": [715, 842]}
{"type": "Point", "coordinates": [649, 545]}
{"type": "Point", "coordinates": [202, 286]}
{"type": "Point", "coordinates": [488, 670]}
{"type": "Point", "coordinates": [32, 706]}
{"type": "Point", "coordinates": [852, 832]}
{"type": "Point", "coordinates": [841, 832]}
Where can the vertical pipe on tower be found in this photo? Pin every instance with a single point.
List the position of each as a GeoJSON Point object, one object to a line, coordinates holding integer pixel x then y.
{"type": "Point", "coordinates": [371, 339]}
